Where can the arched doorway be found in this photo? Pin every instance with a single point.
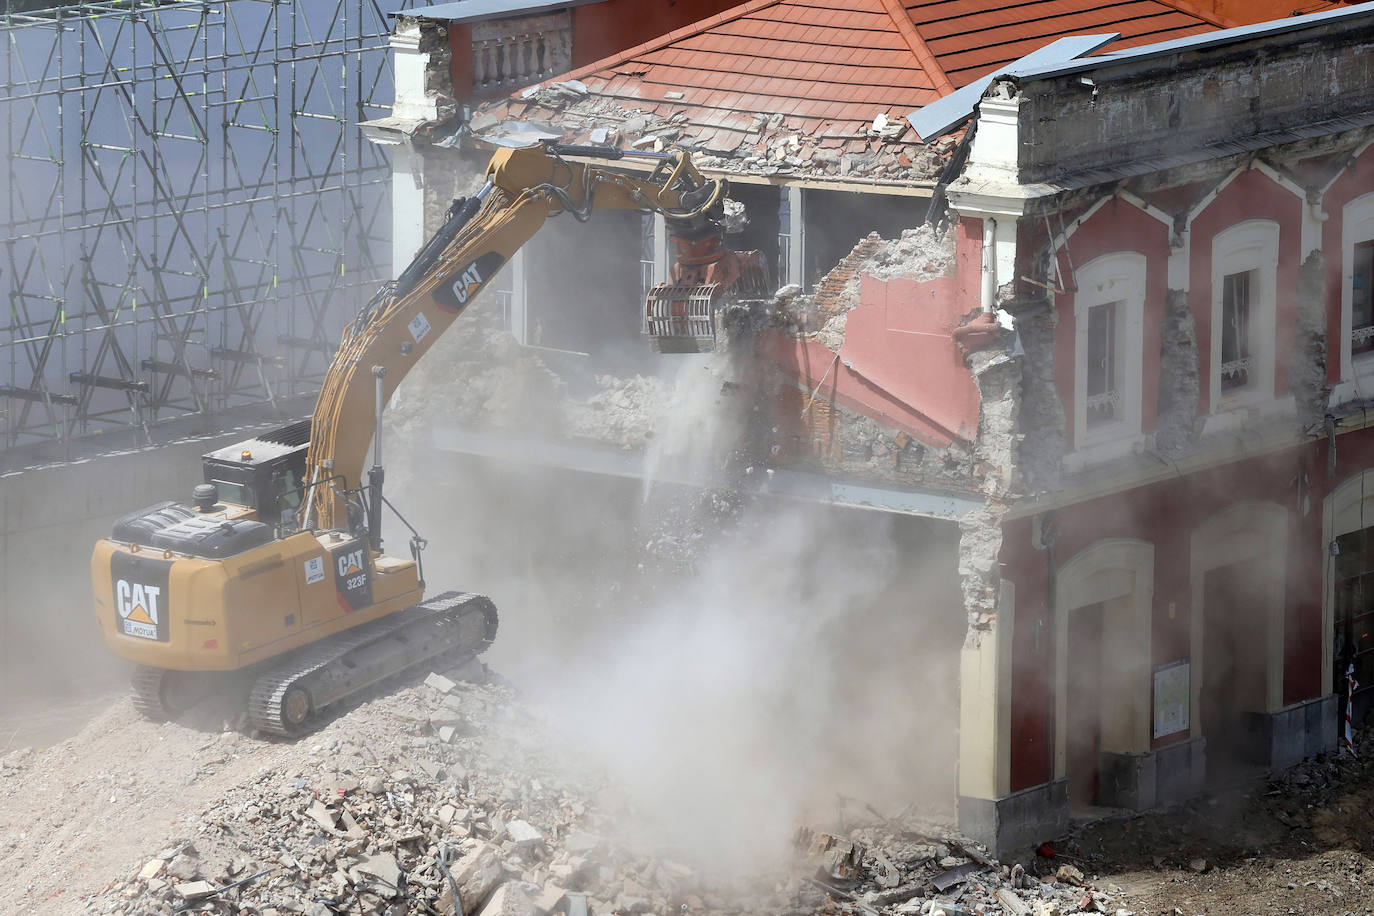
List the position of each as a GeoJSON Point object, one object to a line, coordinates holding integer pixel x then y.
{"type": "Point", "coordinates": [1348, 600]}
{"type": "Point", "coordinates": [1103, 601]}
{"type": "Point", "coordinates": [1238, 565]}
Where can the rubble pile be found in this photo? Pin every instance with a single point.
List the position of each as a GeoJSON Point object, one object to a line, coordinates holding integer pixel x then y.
{"type": "Point", "coordinates": [16, 761]}
{"type": "Point", "coordinates": [453, 797]}
{"type": "Point", "coordinates": [884, 150]}
{"type": "Point", "coordinates": [489, 381]}
{"type": "Point", "coordinates": [903, 868]}
{"type": "Point", "coordinates": [623, 411]}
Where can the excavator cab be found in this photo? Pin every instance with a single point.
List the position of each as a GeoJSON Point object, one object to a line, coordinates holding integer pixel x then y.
{"type": "Point", "coordinates": [265, 473]}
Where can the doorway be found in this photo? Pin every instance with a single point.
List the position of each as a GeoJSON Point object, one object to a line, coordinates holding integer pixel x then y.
{"type": "Point", "coordinates": [1235, 643]}
{"type": "Point", "coordinates": [1353, 630]}
{"type": "Point", "coordinates": [1085, 706]}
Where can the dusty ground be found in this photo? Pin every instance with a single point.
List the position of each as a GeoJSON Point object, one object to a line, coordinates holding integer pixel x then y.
{"type": "Point", "coordinates": [1301, 843]}
{"type": "Point", "coordinates": [80, 818]}
{"type": "Point", "coordinates": [73, 816]}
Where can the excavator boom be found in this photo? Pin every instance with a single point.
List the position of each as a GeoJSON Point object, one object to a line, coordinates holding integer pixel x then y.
{"type": "Point", "coordinates": [523, 188]}
{"type": "Point", "coordinates": [273, 572]}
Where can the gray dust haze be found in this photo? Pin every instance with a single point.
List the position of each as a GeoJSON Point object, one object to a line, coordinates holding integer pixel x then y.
{"type": "Point", "coordinates": [739, 664]}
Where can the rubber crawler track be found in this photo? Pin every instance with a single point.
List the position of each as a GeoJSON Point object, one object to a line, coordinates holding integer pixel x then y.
{"type": "Point", "coordinates": [147, 692]}
{"type": "Point", "coordinates": [271, 687]}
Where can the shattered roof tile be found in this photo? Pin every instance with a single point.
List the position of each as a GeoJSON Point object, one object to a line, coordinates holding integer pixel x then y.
{"type": "Point", "coordinates": [830, 67]}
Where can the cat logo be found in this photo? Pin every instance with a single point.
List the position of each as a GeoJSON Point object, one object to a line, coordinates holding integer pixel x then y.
{"type": "Point", "coordinates": [467, 283]}
{"type": "Point", "coordinates": [351, 563]}
{"type": "Point", "coordinates": [142, 595]}
{"type": "Point", "coordinates": [456, 295]}
{"type": "Point", "coordinates": [138, 608]}
{"type": "Point", "coordinates": [351, 576]}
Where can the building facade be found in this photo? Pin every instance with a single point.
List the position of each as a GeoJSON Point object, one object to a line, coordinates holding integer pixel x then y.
{"type": "Point", "coordinates": [1181, 578]}
{"type": "Point", "coordinates": [1126, 353]}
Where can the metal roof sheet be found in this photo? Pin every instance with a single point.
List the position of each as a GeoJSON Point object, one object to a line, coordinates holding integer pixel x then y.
{"type": "Point", "coordinates": [1198, 42]}
{"type": "Point", "coordinates": [949, 111]}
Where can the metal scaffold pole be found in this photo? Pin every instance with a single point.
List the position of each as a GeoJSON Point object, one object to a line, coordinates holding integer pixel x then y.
{"type": "Point", "coordinates": [191, 214]}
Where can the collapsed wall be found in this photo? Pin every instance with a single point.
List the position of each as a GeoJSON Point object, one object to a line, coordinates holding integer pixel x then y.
{"type": "Point", "coordinates": [819, 430]}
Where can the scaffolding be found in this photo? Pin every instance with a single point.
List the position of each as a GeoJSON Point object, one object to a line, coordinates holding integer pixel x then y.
{"type": "Point", "coordinates": [191, 213]}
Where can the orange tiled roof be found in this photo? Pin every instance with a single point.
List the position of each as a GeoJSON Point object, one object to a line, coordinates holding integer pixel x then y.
{"type": "Point", "coordinates": [829, 67]}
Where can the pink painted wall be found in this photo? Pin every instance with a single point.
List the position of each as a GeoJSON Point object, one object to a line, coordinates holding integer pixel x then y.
{"type": "Point", "coordinates": [899, 363]}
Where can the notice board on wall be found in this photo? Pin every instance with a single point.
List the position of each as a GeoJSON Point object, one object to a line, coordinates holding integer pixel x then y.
{"type": "Point", "coordinates": [1171, 698]}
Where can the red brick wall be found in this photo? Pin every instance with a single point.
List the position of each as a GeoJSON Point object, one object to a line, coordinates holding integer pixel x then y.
{"type": "Point", "coordinates": [1118, 226]}
{"type": "Point", "coordinates": [1355, 181]}
{"type": "Point", "coordinates": [1252, 195]}
{"type": "Point", "coordinates": [1165, 514]}
{"type": "Point", "coordinates": [831, 287]}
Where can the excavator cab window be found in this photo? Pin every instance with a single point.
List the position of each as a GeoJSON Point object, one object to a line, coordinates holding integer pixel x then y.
{"type": "Point", "coordinates": [286, 489]}
{"type": "Point", "coordinates": [231, 492]}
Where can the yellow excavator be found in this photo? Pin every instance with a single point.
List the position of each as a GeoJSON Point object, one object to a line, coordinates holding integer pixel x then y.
{"type": "Point", "coordinates": [277, 568]}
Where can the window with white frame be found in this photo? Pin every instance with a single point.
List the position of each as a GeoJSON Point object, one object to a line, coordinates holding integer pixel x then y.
{"type": "Point", "coordinates": [1244, 287]}
{"type": "Point", "coordinates": [1237, 348]}
{"type": "Point", "coordinates": [1109, 312]}
{"type": "Point", "coordinates": [1357, 285]}
{"type": "Point", "coordinates": [1362, 297]}
{"type": "Point", "coordinates": [1104, 366]}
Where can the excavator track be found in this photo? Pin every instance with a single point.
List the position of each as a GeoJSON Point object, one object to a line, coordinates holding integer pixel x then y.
{"type": "Point", "coordinates": [160, 694]}
{"type": "Point", "coordinates": [146, 685]}
{"type": "Point", "coordinates": [288, 695]}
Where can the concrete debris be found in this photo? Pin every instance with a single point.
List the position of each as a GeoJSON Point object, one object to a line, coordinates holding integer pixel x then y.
{"type": "Point", "coordinates": [380, 868]}
{"type": "Point", "coordinates": [511, 899]}
{"type": "Point", "coordinates": [884, 150]}
{"type": "Point", "coordinates": [440, 683]}
{"type": "Point", "coordinates": [376, 815]}
{"type": "Point", "coordinates": [15, 761]}
{"type": "Point", "coordinates": [1011, 903]}
{"type": "Point", "coordinates": [734, 219]}
{"type": "Point", "coordinates": [838, 857]}
{"type": "Point", "coordinates": [522, 834]}
{"type": "Point", "coordinates": [183, 866]}
{"type": "Point", "coordinates": [194, 890]}
{"type": "Point", "coordinates": [953, 875]}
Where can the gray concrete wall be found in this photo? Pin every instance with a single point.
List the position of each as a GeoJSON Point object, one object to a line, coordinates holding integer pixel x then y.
{"type": "Point", "coordinates": [50, 518]}
{"type": "Point", "coordinates": [1183, 104]}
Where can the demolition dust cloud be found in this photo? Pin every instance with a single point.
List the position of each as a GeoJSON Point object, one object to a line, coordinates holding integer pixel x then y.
{"type": "Point", "coordinates": [740, 664]}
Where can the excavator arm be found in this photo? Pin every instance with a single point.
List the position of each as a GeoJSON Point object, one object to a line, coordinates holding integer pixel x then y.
{"type": "Point", "coordinates": [523, 188]}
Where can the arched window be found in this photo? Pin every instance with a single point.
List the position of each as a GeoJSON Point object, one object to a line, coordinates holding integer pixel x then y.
{"type": "Point", "coordinates": [1245, 261]}
{"type": "Point", "coordinates": [1357, 287]}
{"type": "Point", "coordinates": [1109, 310]}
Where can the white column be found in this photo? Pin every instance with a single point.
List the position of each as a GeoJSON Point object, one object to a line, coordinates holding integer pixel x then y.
{"type": "Point", "coordinates": [407, 205]}
{"type": "Point", "coordinates": [796, 232]}
{"type": "Point", "coordinates": [985, 705]}
{"type": "Point", "coordinates": [661, 248]}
